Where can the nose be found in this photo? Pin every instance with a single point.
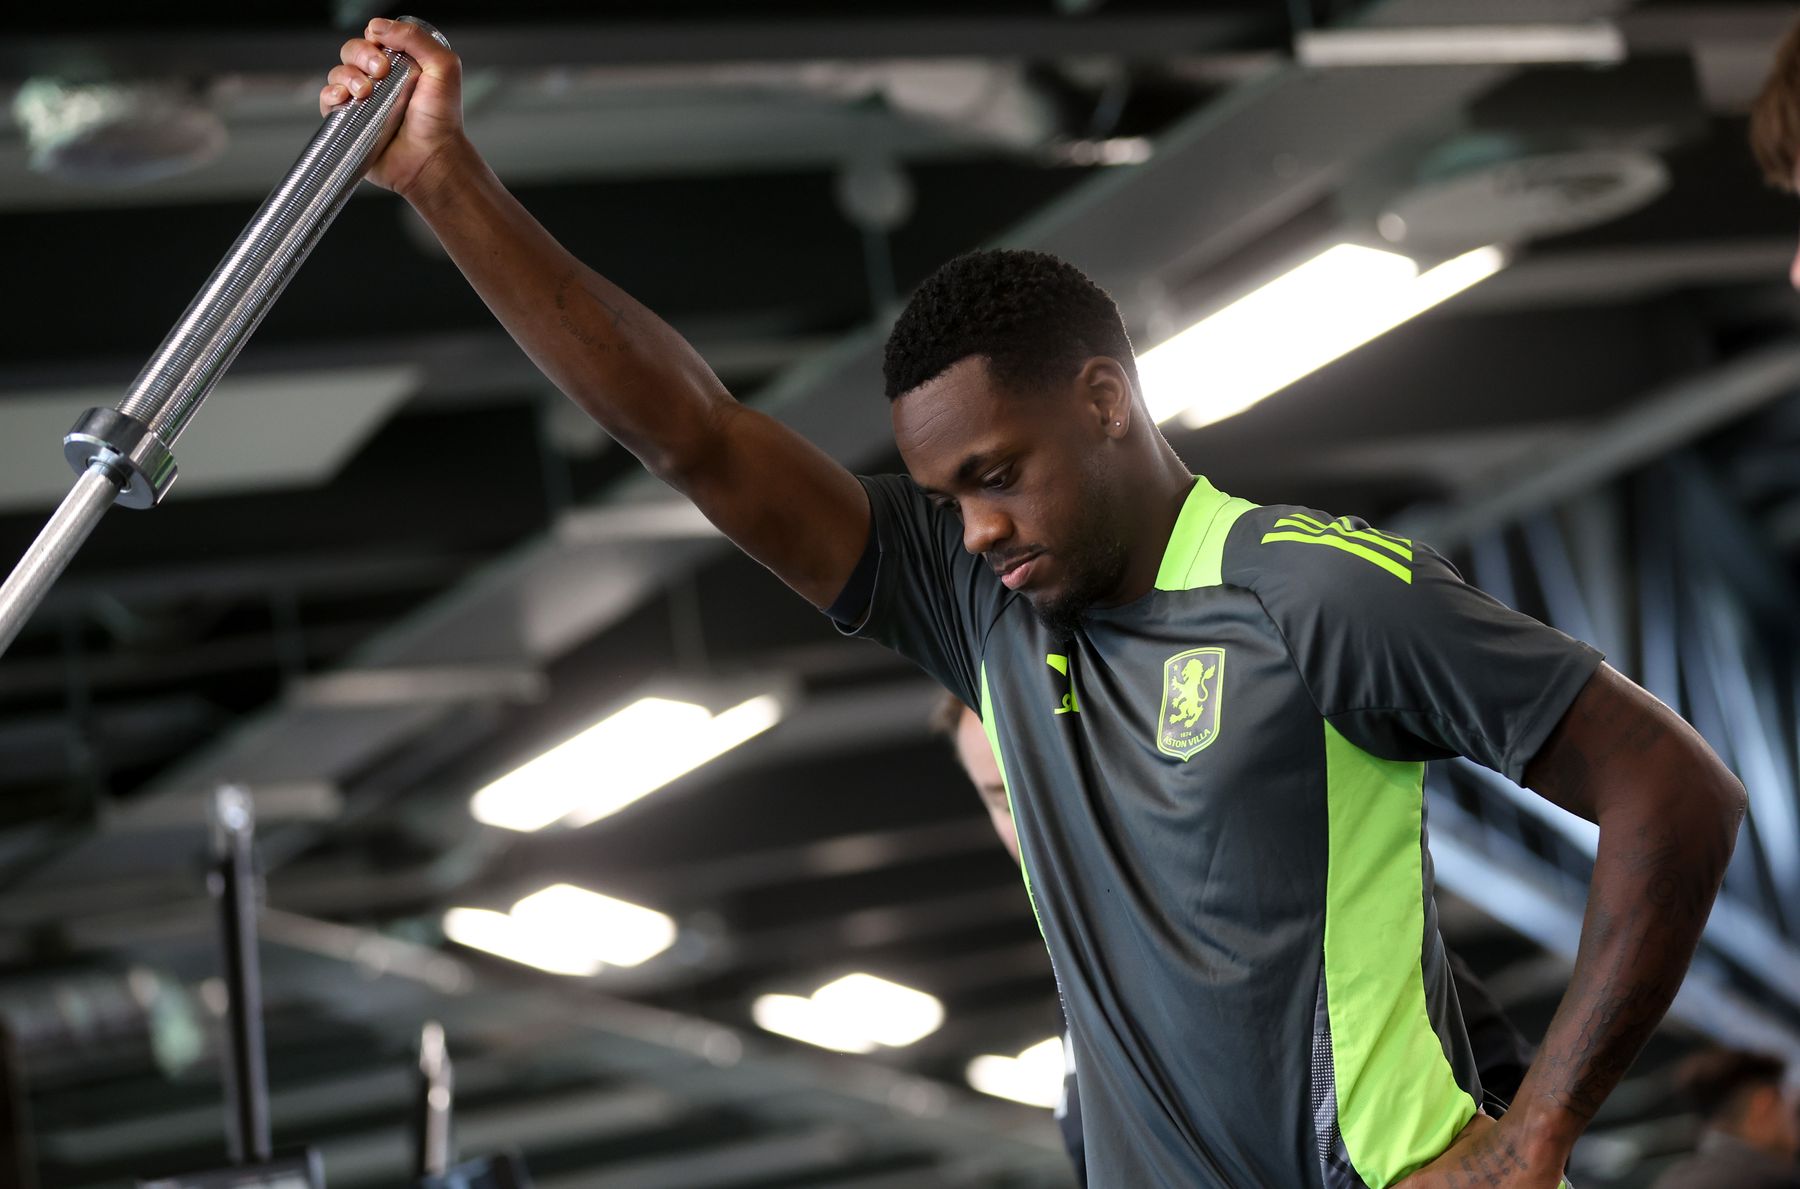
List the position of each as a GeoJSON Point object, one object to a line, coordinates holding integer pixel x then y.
{"type": "Point", "coordinates": [984, 526]}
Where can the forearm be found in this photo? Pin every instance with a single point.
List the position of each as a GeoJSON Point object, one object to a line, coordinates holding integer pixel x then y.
{"type": "Point", "coordinates": [627, 368]}
{"type": "Point", "coordinates": [1661, 857]}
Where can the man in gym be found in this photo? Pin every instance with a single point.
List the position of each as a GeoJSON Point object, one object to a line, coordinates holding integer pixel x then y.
{"type": "Point", "coordinates": [1213, 717]}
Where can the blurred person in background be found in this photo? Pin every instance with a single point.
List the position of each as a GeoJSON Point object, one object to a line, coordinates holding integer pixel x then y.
{"type": "Point", "coordinates": [962, 727]}
{"type": "Point", "coordinates": [1751, 1138]}
{"type": "Point", "coordinates": [1775, 125]}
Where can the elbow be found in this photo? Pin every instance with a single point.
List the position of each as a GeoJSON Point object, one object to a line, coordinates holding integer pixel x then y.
{"type": "Point", "coordinates": [1694, 796]}
{"type": "Point", "coordinates": [689, 446]}
{"type": "Point", "coordinates": [1722, 792]}
{"type": "Point", "coordinates": [1716, 804]}
{"type": "Point", "coordinates": [1733, 801]}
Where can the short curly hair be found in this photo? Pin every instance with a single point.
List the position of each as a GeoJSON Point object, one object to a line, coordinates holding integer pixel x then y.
{"type": "Point", "coordinates": [1033, 317]}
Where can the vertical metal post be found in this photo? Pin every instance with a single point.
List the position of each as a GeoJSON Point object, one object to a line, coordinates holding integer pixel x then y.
{"type": "Point", "coordinates": [433, 1153]}
{"type": "Point", "coordinates": [18, 1166]}
{"type": "Point", "coordinates": [233, 883]}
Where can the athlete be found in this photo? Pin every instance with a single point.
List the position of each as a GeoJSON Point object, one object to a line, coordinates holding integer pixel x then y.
{"type": "Point", "coordinates": [1212, 717]}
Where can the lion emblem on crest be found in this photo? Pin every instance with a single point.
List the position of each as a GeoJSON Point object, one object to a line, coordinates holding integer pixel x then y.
{"type": "Point", "coordinates": [1193, 687]}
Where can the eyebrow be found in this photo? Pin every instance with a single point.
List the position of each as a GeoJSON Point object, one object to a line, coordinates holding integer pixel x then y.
{"type": "Point", "coordinates": [968, 471]}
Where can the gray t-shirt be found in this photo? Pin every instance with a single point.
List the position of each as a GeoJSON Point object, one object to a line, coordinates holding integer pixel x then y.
{"type": "Point", "coordinates": [1218, 795]}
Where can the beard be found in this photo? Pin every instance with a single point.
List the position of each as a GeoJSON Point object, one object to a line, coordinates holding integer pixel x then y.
{"type": "Point", "coordinates": [1095, 561]}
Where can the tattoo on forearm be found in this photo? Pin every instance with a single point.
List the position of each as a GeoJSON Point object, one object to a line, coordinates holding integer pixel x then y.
{"type": "Point", "coordinates": [1646, 948]}
{"type": "Point", "coordinates": [1488, 1166]}
{"type": "Point", "coordinates": [569, 294]}
{"type": "Point", "coordinates": [1619, 756]}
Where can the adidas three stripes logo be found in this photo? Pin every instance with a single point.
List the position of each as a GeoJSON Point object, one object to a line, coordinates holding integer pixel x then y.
{"type": "Point", "coordinates": [1393, 554]}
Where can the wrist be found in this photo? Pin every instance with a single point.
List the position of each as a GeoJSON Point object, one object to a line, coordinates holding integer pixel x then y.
{"type": "Point", "coordinates": [435, 183]}
{"type": "Point", "coordinates": [1545, 1131]}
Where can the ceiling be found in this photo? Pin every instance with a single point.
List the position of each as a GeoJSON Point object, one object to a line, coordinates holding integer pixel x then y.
{"type": "Point", "coordinates": [396, 565]}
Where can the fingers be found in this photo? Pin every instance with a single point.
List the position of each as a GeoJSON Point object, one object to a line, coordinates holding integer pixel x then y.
{"type": "Point", "coordinates": [362, 54]}
{"type": "Point", "coordinates": [365, 59]}
{"type": "Point", "coordinates": [352, 80]}
{"type": "Point", "coordinates": [343, 84]}
{"type": "Point", "coordinates": [434, 59]}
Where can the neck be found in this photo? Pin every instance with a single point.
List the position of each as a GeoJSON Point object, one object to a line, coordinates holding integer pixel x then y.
{"type": "Point", "coordinates": [1154, 504]}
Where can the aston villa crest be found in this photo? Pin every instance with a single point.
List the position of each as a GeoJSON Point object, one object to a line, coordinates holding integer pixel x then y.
{"type": "Point", "coordinates": [1193, 690]}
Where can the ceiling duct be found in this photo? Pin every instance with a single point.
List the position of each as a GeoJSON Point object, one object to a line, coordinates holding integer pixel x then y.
{"type": "Point", "coordinates": [1494, 190]}
{"type": "Point", "coordinates": [116, 134]}
{"type": "Point", "coordinates": [1547, 152]}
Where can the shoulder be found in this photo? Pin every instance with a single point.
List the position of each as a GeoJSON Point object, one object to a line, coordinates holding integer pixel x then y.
{"type": "Point", "coordinates": [896, 488]}
{"type": "Point", "coordinates": [1286, 549]}
{"type": "Point", "coordinates": [900, 508]}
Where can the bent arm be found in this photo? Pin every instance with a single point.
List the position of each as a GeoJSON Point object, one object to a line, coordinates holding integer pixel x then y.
{"type": "Point", "coordinates": [1668, 811]}
{"type": "Point", "coordinates": [777, 496]}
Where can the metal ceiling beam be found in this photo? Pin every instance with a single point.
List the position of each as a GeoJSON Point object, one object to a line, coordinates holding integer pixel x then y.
{"type": "Point", "coordinates": [461, 368]}
{"type": "Point", "coordinates": [384, 1156]}
{"type": "Point", "coordinates": [1614, 275]}
{"type": "Point", "coordinates": [703, 135]}
{"type": "Point", "coordinates": [199, 50]}
{"type": "Point", "coordinates": [759, 1161]}
{"type": "Point", "coordinates": [1516, 886]}
{"type": "Point", "coordinates": [1731, 928]}
{"type": "Point", "coordinates": [518, 1018]}
{"type": "Point", "coordinates": [691, 1059]}
{"type": "Point", "coordinates": [1649, 429]}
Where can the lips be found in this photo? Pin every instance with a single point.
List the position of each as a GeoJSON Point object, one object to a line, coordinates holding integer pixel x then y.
{"type": "Point", "coordinates": [1017, 573]}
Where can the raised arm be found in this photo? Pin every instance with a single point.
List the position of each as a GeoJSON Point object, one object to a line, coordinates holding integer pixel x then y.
{"type": "Point", "coordinates": [778, 497]}
{"type": "Point", "coordinates": [1668, 812]}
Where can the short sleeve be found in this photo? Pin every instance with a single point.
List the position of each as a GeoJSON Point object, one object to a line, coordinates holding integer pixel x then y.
{"type": "Point", "coordinates": [931, 601]}
{"type": "Point", "coordinates": [1399, 654]}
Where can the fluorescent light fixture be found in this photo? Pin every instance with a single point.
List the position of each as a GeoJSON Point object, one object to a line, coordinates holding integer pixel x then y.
{"type": "Point", "coordinates": [614, 932]}
{"type": "Point", "coordinates": [622, 758]}
{"type": "Point", "coordinates": [854, 1014]}
{"type": "Point", "coordinates": [798, 1017]}
{"type": "Point", "coordinates": [887, 1013]}
{"type": "Point", "coordinates": [1034, 1077]}
{"type": "Point", "coordinates": [1294, 325]}
{"type": "Point", "coordinates": [565, 930]}
{"type": "Point", "coordinates": [1593, 43]}
{"type": "Point", "coordinates": [499, 934]}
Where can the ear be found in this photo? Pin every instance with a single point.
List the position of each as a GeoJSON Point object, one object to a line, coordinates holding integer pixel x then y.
{"type": "Point", "coordinates": [1106, 389]}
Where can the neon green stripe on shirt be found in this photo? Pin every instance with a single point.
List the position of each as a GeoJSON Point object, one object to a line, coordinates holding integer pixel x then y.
{"type": "Point", "coordinates": [1363, 551]}
{"type": "Point", "coordinates": [1398, 1102]}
